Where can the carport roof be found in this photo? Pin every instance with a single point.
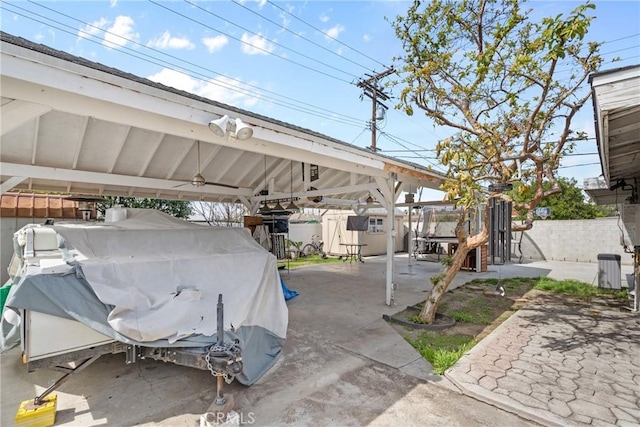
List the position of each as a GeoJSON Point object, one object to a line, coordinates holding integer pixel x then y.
{"type": "Point", "coordinates": [75, 126]}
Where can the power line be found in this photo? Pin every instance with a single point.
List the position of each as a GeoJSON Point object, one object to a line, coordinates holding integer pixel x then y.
{"type": "Point", "coordinates": [622, 38]}
{"type": "Point", "coordinates": [327, 35]}
{"type": "Point", "coordinates": [395, 140]}
{"type": "Point", "coordinates": [248, 44]}
{"type": "Point", "coordinates": [314, 110]}
{"type": "Point", "coordinates": [270, 41]}
{"type": "Point", "coordinates": [372, 89]}
{"type": "Point", "coordinates": [579, 165]}
{"type": "Point", "coordinates": [621, 50]}
{"type": "Point", "coordinates": [298, 35]}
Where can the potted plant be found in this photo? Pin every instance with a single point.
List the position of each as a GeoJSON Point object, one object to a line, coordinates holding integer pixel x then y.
{"type": "Point", "coordinates": [294, 248]}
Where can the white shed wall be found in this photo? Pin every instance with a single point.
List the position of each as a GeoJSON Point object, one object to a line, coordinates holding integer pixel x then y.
{"type": "Point", "coordinates": [334, 232]}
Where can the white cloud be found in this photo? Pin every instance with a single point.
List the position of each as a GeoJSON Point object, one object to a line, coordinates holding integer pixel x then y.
{"type": "Point", "coordinates": [324, 18]}
{"type": "Point", "coordinates": [121, 32]}
{"type": "Point", "coordinates": [165, 41]}
{"type": "Point", "coordinates": [93, 28]}
{"type": "Point", "coordinates": [285, 20]}
{"type": "Point", "coordinates": [333, 32]}
{"type": "Point", "coordinates": [256, 45]}
{"type": "Point", "coordinates": [260, 3]}
{"type": "Point", "coordinates": [175, 79]}
{"type": "Point", "coordinates": [222, 89]}
{"type": "Point", "coordinates": [214, 44]}
{"type": "Point", "coordinates": [367, 38]}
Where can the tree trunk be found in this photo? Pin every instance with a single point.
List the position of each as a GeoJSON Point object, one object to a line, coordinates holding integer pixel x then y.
{"type": "Point", "coordinates": [428, 312]}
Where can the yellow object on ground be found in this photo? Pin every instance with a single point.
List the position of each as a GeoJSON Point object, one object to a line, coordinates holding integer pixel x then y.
{"type": "Point", "coordinates": [43, 415]}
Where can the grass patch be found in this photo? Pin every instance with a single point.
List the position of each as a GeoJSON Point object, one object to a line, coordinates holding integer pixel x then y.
{"type": "Point", "coordinates": [442, 351]}
{"type": "Point", "coordinates": [479, 305]}
{"type": "Point", "coordinates": [307, 261]}
{"type": "Point", "coordinates": [577, 289]}
{"type": "Point", "coordinates": [478, 310]}
{"type": "Point", "coordinates": [462, 317]}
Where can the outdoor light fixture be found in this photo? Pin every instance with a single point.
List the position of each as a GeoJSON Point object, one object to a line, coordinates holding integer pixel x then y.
{"type": "Point", "coordinates": [278, 207]}
{"type": "Point", "coordinates": [225, 124]}
{"type": "Point", "coordinates": [264, 209]}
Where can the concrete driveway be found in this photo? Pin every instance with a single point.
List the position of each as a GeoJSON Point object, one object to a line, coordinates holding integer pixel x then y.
{"type": "Point", "coordinates": [341, 365]}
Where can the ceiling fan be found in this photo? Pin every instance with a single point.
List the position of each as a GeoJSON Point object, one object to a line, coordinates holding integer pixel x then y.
{"type": "Point", "coordinates": [198, 180]}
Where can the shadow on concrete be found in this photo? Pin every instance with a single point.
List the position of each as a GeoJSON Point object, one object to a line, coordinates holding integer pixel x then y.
{"type": "Point", "coordinates": [587, 326]}
{"type": "Point", "coordinates": [341, 364]}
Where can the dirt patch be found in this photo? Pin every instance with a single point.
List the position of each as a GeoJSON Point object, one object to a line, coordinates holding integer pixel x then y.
{"type": "Point", "coordinates": [478, 307]}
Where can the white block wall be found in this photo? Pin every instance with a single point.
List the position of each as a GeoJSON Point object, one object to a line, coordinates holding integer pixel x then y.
{"type": "Point", "coordinates": [574, 240]}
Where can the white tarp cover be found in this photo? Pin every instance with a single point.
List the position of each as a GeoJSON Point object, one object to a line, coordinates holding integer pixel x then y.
{"type": "Point", "coordinates": [163, 276]}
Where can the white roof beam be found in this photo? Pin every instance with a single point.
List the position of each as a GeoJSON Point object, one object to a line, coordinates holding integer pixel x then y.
{"type": "Point", "coordinates": [11, 183]}
{"type": "Point", "coordinates": [80, 142]}
{"type": "Point", "coordinates": [17, 113]}
{"type": "Point", "coordinates": [152, 153]}
{"type": "Point", "coordinates": [180, 158]}
{"type": "Point", "coordinates": [41, 172]}
{"type": "Point", "coordinates": [120, 140]}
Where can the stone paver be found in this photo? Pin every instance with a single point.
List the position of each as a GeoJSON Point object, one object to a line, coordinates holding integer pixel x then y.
{"type": "Point", "coordinates": [559, 365]}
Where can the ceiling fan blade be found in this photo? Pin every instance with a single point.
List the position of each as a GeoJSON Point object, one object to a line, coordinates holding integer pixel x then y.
{"type": "Point", "coordinates": [235, 187]}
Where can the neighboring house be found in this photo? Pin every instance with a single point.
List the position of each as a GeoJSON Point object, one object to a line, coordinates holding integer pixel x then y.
{"type": "Point", "coordinates": [20, 209]}
{"type": "Point", "coordinates": [334, 232]}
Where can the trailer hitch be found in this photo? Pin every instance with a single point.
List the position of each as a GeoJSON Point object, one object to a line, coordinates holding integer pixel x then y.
{"type": "Point", "coordinates": [224, 359]}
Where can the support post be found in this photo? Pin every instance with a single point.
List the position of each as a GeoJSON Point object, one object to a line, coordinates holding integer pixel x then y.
{"type": "Point", "coordinates": [636, 278]}
{"type": "Point", "coordinates": [391, 234]}
{"type": "Point", "coordinates": [410, 247]}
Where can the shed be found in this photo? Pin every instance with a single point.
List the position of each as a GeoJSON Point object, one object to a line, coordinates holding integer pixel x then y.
{"type": "Point", "coordinates": [335, 233]}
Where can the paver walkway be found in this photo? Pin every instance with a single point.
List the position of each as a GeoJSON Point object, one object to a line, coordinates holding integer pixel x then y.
{"type": "Point", "coordinates": [559, 365]}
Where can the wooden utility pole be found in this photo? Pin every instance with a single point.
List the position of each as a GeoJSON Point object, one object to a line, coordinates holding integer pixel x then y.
{"type": "Point", "coordinates": [373, 90]}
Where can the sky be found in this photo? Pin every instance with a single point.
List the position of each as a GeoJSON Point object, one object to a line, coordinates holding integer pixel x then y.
{"type": "Point", "coordinates": [294, 61]}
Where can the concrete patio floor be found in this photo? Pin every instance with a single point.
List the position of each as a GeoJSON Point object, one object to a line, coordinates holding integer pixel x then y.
{"type": "Point", "coordinates": [341, 364]}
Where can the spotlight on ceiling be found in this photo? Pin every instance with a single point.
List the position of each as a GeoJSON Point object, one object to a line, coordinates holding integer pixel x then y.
{"type": "Point", "coordinates": [219, 126]}
{"type": "Point", "coordinates": [243, 131]}
{"type": "Point", "coordinates": [225, 124]}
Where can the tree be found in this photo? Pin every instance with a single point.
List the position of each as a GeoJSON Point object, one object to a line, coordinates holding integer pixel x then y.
{"type": "Point", "coordinates": [177, 208]}
{"type": "Point", "coordinates": [570, 204]}
{"type": "Point", "coordinates": [220, 214]}
{"type": "Point", "coordinates": [508, 88]}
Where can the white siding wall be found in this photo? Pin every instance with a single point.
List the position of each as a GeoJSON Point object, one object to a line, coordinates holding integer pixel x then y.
{"type": "Point", "coordinates": [335, 232]}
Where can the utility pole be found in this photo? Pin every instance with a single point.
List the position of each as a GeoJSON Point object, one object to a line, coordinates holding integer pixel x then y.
{"type": "Point", "coordinates": [374, 91]}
